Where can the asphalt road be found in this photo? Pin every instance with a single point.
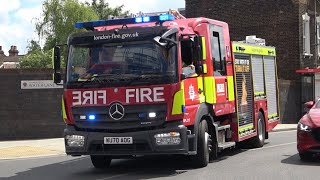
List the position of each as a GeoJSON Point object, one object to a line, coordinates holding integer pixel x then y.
{"type": "Point", "coordinates": [278, 159]}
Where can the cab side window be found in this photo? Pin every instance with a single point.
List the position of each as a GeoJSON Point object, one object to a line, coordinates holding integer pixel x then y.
{"type": "Point", "coordinates": [218, 50]}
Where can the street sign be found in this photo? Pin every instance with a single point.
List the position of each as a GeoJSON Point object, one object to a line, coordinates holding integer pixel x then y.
{"type": "Point", "coordinates": [39, 84]}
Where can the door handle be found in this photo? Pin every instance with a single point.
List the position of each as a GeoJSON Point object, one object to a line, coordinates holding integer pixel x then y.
{"type": "Point", "coordinates": [200, 91]}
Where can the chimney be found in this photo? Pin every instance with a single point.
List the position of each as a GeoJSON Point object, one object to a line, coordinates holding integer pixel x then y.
{"type": "Point", "coordinates": [13, 51]}
{"type": "Point", "coordinates": [1, 52]}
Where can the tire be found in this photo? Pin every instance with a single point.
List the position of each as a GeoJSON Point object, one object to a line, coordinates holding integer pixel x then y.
{"type": "Point", "coordinates": [258, 141]}
{"type": "Point", "coordinates": [100, 162]}
{"type": "Point", "coordinates": [306, 156]}
{"type": "Point", "coordinates": [203, 146]}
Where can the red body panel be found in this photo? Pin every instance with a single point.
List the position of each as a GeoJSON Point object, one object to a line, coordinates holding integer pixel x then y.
{"type": "Point", "coordinates": [159, 94]}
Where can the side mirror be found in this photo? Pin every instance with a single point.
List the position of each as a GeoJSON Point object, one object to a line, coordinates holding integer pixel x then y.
{"type": "Point", "coordinates": [164, 40]}
{"type": "Point", "coordinates": [309, 104]}
{"type": "Point", "coordinates": [56, 64]}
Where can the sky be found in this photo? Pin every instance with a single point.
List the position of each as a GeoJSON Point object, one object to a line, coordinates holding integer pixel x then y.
{"type": "Point", "coordinates": [17, 17]}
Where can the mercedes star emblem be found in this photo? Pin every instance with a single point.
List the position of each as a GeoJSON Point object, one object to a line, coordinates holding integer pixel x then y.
{"type": "Point", "coordinates": [116, 111]}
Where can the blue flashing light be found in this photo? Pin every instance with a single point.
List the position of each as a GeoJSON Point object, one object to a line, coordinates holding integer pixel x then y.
{"type": "Point", "coordinates": [92, 117]}
{"type": "Point", "coordinates": [183, 108]}
{"type": "Point", "coordinates": [146, 19]}
{"type": "Point", "coordinates": [166, 17]}
{"type": "Point", "coordinates": [142, 115]}
{"type": "Point", "coordinates": [139, 20]}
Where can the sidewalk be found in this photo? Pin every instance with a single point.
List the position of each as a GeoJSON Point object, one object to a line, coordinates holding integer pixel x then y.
{"type": "Point", "coordinates": [49, 147]}
{"type": "Point", "coordinates": [31, 148]}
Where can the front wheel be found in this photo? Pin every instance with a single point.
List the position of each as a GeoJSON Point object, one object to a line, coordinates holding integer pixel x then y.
{"type": "Point", "coordinates": [258, 141]}
{"type": "Point", "coordinates": [204, 145]}
{"type": "Point", "coordinates": [100, 162]}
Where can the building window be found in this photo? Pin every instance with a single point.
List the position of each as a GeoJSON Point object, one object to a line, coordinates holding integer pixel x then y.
{"type": "Point", "coordinates": [306, 34]}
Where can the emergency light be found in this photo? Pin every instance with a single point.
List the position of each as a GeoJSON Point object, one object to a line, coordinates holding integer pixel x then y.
{"type": "Point", "coordinates": [145, 19]}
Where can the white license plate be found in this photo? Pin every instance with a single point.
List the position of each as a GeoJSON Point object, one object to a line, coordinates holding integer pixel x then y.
{"type": "Point", "coordinates": [118, 140]}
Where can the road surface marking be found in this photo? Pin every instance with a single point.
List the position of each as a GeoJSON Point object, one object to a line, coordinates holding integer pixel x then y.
{"type": "Point", "coordinates": [278, 132]}
{"type": "Point", "coordinates": [73, 160]}
{"type": "Point", "coordinates": [115, 176]}
{"type": "Point", "coordinates": [278, 145]}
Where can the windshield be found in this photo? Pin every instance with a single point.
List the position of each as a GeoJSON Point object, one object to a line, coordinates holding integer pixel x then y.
{"type": "Point", "coordinates": [121, 64]}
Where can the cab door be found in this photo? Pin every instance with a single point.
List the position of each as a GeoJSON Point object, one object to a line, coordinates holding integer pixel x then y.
{"type": "Point", "coordinates": [222, 69]}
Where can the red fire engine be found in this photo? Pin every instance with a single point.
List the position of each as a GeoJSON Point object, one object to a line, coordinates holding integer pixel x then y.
{"type": "Point", "coordinates": [165, 84]}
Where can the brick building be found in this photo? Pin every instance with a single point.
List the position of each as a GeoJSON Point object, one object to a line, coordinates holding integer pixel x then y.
{"type": "Point", "coordinates": [280, 23]}
{"type": "Point", "coordinates": [10, 61]}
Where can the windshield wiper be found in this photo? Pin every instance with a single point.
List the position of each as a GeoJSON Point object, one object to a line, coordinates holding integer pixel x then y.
{"type": "Point", "coordinates": [96, 78]}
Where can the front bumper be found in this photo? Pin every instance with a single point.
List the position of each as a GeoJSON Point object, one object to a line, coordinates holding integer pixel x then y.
{"type": "Point", "coordinates": [143, 143]}
{"type": "Point", "coordinates": [306, 142]}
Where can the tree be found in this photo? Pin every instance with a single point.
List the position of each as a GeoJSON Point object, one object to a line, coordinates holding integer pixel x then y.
{"type": "Point", "coordinates": [104, 11]}
{"type": "Point", "coordinates": [58, 20]}
{"type": "Point", "coordinates": [36, 59]}
{"type": "Point", "coordinates": [57, 23]}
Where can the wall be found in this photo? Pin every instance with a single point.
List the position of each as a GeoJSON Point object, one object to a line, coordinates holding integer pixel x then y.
{"type": "Point", "coordinates": [26, 114]}
{"type": "Point", "coordinates": [290, 104]}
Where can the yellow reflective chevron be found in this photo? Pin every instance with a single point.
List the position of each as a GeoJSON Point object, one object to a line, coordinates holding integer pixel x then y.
{"type": "Point", "coordinates": [205, 68]}
{"type": "Point", "coordinates": [204, 50]}
{"type": "Point", "coordinates": [178, 100]}
{"type": "Point", "coordinates": [202, 98]}
{"type": "Point", "coordinates": [230, 88]}
{"type": "Point", "coordinates": [52, 58]}
{"type": "Point", "coordinates": [246, 127]}
{"type": "Point", "coordinates": [252, 49]}
{"type": "Point", "coordinates": [64, 114]}
{"type": "Point", "coordinates": [210, 90]}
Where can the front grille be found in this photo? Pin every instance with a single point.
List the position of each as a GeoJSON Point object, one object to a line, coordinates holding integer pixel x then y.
{"type": "Point", "coordinates": [136, 116]}
{"type": "Point", "coordinates": [99, 147]}
{"type": "Point", "coordinates": [316, 134]}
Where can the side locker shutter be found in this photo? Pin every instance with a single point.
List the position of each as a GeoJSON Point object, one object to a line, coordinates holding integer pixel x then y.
{"type": "Point", "coordinates": [271, 86]}
{"type": "Point", "coordinates": [258, 75]}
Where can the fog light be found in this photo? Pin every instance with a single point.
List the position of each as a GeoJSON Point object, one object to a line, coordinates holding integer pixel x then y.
{"type": "Point", "coordinates": [152, 115]}
{"type": "Point", "coordinates": [75, 140]}
{"type": "Point", "coordinates": [172, 138]}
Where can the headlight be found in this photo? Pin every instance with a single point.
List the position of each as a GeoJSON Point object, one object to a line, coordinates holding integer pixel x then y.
{"type": "Point", "coordinates": [172, 138]}
{"type": "Point", "coordinates": [75, 140]}
{"type": "Point", "coordinates": [303, 127]}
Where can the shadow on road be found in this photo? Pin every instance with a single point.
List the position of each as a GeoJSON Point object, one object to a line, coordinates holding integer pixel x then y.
{"type": "Point", "coordinates": [138, 168]}
{"type": "Point", "coordinates": [295, 160]}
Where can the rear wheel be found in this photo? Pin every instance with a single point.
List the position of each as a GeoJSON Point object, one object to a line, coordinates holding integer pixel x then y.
{"type": "Point", "coordinates": [204, 145]}
{"type": "Point", "coordinates": [306, 156]}
{"type": "Point", "coordinates": [100, 162]}
{"type": "Point", "coordinates": [258, 141]}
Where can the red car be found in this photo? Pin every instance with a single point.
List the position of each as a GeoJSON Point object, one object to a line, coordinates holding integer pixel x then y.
{"type": "Point", "coordinates": [308, 134]}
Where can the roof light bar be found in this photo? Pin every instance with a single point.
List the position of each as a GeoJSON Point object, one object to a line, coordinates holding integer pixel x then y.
{"type": "Point", "coordinates": [145, 19]}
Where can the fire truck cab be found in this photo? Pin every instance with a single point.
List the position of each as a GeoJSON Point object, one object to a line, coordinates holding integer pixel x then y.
{"type": "Point", "coordinates": [165, 84]}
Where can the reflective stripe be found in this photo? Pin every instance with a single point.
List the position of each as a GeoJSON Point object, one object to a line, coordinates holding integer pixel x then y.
{"type": "Point", "coordinates": [205, 68]}
{"type": "Point", "coordinates": [52, 58]}
{"type": "Point", "coordinates": [259, 93]}
{"type": "Point", "coordinates": [64, 114]}
{"type": "Point", "coordinates": [246, 127]}
{"type": "Point", "coordinates": [178, 101]}
{"type": "Point", "coordinates": [272, 115]}
{"type": "Point", "coordinates": [230, 88]}
{"type": "Point", "coordinates": [252, 49]}
{"type": "Point", "coordinates": [204, 50]}
{"type": "Point", "coordinates": [202, 98]}
{"type": "Point", "coordinates": [210, 90]}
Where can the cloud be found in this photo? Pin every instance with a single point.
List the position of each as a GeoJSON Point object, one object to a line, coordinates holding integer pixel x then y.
{"type": "Point", "coordinates": [17, 18]}
{"type": "Point", "coordinates": [16, 25]}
